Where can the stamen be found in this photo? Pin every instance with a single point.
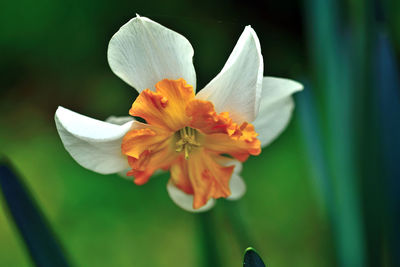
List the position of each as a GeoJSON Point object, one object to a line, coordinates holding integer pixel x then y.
{"type": "Point", "coordinates": [186, 141]}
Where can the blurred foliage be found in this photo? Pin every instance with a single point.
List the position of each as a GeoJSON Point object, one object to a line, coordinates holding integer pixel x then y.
{"type": "Point", "coordinates": [54, 53]}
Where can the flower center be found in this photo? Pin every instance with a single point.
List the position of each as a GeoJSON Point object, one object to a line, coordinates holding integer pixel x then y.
{"type": "Point", "coordinates": [187, 140]}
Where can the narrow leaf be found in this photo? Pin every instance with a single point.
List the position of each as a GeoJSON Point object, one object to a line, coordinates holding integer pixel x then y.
{"type": "Point", "coordinates": [310, 125]}
{"type": "Point", "coordinates": [387, 107]}
{"type": "Point", "coordinates": [39, 239]}
{"type": "Point", "coordinates": [252, 259]}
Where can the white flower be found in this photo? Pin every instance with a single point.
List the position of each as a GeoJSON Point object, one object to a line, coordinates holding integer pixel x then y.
{"type": "Point", "coordinates": [185, 133]}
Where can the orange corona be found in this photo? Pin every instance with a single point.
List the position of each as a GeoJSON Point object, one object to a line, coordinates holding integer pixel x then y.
{"type": "Point", "coordinates": [186, 136]}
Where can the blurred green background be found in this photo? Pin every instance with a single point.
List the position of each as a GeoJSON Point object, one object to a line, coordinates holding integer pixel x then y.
{"type": "Point", "coordinates": [325, 193]}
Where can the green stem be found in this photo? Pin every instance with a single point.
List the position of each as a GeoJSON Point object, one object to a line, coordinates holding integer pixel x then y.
{"type": "Point", "coordinates": [239, 227]}
{"type": "Point", "coordinates": [208, 241]}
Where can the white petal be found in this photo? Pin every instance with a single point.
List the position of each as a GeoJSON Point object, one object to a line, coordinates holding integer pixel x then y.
{"type": "Point", "coordinates": [144, 52]}
{"type": "Point", "coordinates": [237, 186]}
{"type": "Point", "coordinates": [273, 120]}
{"type": "Point", "coordinates": [94, 144]}
{"type": "Point", "coordinates": [275, 89]}
{"type": "Point", "coordinates": [119, 120]}
{"type": "Point", "coordinates": [237, 88]}
{"type": "Point", "coordinates": [275, 108]}
{"type": "Point", "coordinates": [225, 161]}
{"type": "Point", "coordinates": [185, 201]}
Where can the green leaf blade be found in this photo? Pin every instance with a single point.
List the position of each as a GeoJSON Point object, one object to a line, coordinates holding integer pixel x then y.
{"type": "Point", "coordinates": [40, 241]}
{"type": "Point", "coordinates": [252, 259]}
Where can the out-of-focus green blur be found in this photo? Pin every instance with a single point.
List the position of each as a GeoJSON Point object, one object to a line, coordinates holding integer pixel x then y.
{"type": "Point", "coordinates": [323, 194]}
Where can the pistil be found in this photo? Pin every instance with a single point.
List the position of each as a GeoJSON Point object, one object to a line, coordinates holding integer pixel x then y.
{"type": "Point", "coordinates": [186, 141]}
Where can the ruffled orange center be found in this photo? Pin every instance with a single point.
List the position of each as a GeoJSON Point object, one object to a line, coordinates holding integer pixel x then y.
{"type": "Point", "coordinates": [186, 136]}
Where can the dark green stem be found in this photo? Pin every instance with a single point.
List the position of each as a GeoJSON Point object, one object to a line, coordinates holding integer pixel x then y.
{"type": "Point", "coordinates": [208, 241]}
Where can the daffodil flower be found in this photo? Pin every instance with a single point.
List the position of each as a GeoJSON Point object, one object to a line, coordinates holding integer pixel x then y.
{"type": "Point", "coordinates": [201, 139]}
